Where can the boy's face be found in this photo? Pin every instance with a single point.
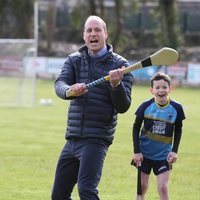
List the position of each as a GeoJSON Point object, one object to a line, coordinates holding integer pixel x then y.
{"type": "Point", "coordinates": [94, 35]}
{"type": "Point", "coordinates": [160, 90]}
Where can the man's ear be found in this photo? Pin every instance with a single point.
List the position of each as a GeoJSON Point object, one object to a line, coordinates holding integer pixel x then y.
{"type": "Point", "coordinates": [106, 35]}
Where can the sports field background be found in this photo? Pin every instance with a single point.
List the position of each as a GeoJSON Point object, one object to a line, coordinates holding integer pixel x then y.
{"type": "Point", "coordinates": [32, 138]}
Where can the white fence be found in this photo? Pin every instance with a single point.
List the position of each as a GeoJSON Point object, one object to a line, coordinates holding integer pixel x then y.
{"type": "Point", "coordinates": [185, 73]}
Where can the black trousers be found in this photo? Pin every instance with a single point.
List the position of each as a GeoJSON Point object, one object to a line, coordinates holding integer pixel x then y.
{"type": "Point", "coordinates": [81, 161]}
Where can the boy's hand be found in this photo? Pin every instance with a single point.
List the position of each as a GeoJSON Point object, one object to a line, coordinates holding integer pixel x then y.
{"type": "Point", "coordinates": [172, 157]}
{"type": "Point", "coordinates": [137, 159]}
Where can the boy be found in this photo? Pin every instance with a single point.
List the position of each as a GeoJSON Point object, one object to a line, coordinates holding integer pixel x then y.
{"type": "Point", "coordinates": [162, 126]}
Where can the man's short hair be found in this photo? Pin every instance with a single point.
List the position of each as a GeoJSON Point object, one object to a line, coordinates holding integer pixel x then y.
{"type": "Point", "coordinates": [96, 18]}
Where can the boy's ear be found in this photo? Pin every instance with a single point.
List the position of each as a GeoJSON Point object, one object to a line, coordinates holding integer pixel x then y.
{"type": "Point", "coordinates": [151, 90]}
{"type": "Point", "coordinates": [170, 88]}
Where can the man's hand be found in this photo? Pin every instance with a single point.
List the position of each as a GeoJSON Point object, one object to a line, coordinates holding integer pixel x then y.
{"type": "Point", "coordinates": [116, 76]}
{"type": "Point", "coordinates": [78, 89]}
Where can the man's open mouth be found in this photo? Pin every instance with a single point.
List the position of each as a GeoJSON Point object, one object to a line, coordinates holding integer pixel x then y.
{"type": "Point", "coordinates": [93, 41]}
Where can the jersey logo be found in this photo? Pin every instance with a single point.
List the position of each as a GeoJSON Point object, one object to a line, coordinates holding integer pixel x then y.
{"type": "Point", "coordinates": [170, 115]}
{"type": "Point", "coordinates": [159, 127]}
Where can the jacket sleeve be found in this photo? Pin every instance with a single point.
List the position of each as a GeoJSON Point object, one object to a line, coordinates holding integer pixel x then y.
{"type": "Point", "coordinates": [65, 79]}
{"type": "Point", "coordinates": [121, 95]}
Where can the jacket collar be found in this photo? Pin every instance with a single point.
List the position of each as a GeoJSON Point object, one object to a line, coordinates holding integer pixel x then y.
{"type": "Point", "coordinates": [84, 49]}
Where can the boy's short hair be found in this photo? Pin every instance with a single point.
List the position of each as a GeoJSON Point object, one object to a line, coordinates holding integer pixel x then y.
{"type": "Point", "coordinates": [160, 76]}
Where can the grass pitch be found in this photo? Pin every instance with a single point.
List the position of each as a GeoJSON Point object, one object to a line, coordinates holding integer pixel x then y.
{"type": "Point", "coordinates": [32, 138]}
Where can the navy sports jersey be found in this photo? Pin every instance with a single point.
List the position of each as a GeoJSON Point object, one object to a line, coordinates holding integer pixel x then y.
{"type": "Point", "coordinates": [158, 127]}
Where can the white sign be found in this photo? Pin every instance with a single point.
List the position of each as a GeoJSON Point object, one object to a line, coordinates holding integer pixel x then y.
{"type": "Point", "coordinates": [193, 73]}
{"type": "Point", "coordinates": [42, 65]}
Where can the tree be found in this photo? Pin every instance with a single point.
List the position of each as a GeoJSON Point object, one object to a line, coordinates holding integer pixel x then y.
{"type": "Point", "coordinates": [51, 24]}
{"type": "Point", "coordinates": [92, 6]}
{"type": "Point", "coordinates": [97, 7]}
{"type": "Point", "coordinates": [169, 26]}
{"type": "Point", "coordinates": [16, 18]}
{"type": "Point", "coordinates": [118, 23]}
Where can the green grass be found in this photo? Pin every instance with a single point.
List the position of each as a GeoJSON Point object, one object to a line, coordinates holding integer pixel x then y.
{"type": "Point", "coordinates": [32, 138]}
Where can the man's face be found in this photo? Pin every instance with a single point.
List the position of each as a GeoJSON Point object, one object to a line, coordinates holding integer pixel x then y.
{"type": "Point", "coordinates": [94, 35]}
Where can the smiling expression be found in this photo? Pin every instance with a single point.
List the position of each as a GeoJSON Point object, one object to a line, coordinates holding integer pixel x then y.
{"type": "Point", "coordinates": [160, 90]}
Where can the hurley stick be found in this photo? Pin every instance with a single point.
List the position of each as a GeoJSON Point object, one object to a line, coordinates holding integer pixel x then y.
{"type": "Point", "coordinates": [165, 56]}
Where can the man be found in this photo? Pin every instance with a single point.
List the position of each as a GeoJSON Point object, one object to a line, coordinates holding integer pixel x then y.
{"type": "Point", "coordinates": [92, 115]}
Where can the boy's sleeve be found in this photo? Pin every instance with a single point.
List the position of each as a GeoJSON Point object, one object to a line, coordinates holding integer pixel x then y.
{"type": "Point", "coordinates": [177, 136]}
{"type": "Point", "coordinates": [178, 129]}
{"type": "Point", "coordinates": [135, 133]}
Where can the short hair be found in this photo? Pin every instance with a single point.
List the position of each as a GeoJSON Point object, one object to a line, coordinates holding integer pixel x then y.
{"type": "Point", "coordinates": [96, 18]}
{"type": "Point", "coordinates": [160, 76]}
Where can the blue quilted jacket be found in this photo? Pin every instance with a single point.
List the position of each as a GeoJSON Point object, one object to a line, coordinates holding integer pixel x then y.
{"type": "Point", "coordinates": [94, 114]}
